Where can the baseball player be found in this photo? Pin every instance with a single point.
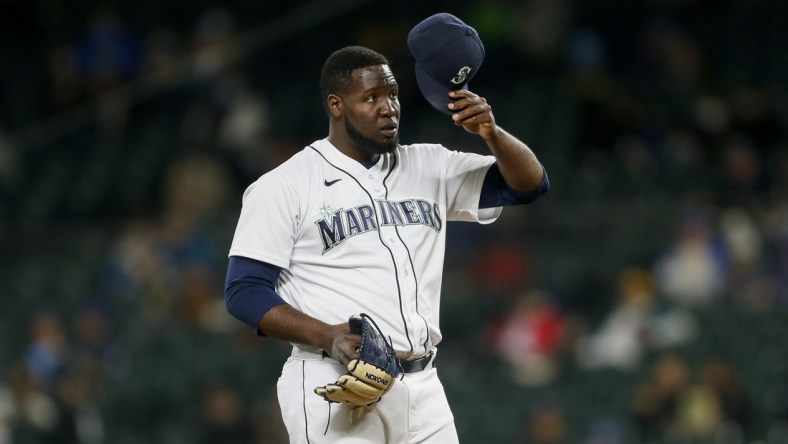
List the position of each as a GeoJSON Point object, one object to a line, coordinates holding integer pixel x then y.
{"type": "Point", "coordinates": [356, 222]}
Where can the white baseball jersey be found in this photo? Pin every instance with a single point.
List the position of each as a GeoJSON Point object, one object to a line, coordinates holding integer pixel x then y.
{"type": "Point", "coordinates": [351, 239]}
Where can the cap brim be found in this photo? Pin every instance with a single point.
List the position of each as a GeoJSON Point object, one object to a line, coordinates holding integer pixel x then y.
{"type": "Point", "coordinates": [435, 93]}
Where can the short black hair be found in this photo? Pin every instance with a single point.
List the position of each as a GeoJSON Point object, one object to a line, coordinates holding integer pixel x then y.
{"type": "Point", "coordinates": [337, 73]}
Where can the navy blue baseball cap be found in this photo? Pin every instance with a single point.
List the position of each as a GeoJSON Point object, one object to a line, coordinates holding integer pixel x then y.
{"type": "Point", "coordinates": [448, 54]}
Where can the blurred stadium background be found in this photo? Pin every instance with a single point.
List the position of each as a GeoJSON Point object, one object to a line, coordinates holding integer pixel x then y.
{"type": "Point", "coordinates": [643, 300]}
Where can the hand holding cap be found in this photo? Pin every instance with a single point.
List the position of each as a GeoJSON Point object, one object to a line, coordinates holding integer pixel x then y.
{"type": "Point", "coordinates": [448, 54]}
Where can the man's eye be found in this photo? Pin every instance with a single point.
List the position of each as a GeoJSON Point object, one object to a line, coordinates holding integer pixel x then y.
{"type": "Point", "coordinates": [371, 98]}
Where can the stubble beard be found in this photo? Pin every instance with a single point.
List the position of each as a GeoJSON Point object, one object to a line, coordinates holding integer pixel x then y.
{"type": "Point", "coordinates": [368, 144]}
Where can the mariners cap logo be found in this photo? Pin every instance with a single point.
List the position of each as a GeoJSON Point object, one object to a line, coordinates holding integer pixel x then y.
{"type": "Point", "coordinates": [461, 76]}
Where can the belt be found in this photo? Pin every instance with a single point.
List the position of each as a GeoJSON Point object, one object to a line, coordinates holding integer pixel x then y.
{"type": "Point", "coordinates": [417, 365]}
{"type": "Point", "coordinates": [408, 366]}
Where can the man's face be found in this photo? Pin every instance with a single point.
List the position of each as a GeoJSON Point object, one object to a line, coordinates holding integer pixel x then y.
{"type": "Point", "coordinates": [372, 110]}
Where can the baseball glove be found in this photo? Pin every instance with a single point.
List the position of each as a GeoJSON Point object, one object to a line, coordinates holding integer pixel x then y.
{"type": "Point", "coordinates": [370, 375]}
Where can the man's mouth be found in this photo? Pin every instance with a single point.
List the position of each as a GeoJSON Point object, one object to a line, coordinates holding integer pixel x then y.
{"type": "Point", "coordinates": [389, 130]}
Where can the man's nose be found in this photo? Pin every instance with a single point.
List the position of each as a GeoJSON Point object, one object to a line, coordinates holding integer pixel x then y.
{"type": "Point", "coordinates": [388, 108]}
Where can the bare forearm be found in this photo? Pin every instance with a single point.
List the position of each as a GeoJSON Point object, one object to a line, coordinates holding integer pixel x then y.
{"type": "Point", "coordinates": [288, 324]}
{"type": "Point", "coordinates": [518, 164]}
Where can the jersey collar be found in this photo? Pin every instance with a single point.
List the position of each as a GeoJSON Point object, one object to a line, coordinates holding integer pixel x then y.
{"type": "Point", "coordinates": [349, 164]}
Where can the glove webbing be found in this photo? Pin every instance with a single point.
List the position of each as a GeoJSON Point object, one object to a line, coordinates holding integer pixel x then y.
{"type": "Point", "coordinates": [389, 344]}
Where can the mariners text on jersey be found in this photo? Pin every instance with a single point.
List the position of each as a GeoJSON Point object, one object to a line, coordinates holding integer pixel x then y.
{"type": "Point", "coordinates": [336, 226]}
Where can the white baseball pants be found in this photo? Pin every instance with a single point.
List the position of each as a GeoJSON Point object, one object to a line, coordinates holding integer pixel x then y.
{"type": "Point", "coordinates": [415, 410]}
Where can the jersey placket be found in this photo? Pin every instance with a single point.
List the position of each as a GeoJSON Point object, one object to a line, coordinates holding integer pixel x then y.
{"type": "Point", "coordinates": [404, 272]}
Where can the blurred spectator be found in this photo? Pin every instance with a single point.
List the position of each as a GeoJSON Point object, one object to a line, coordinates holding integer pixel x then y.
{"type": "Point", "coordinates": [197, 191]}
{"type": "Point", "coordinates": [537, 29]}
{"type": "Point", "coordinates": [214, 43]}
{"type": "Point", "coordinates": [164, 56]}
{"type": "Point", "coordinates": [269, 426]}
{"type": "Point", "coordinates": [528, 337]}
{"type": "Point", "coordinates": [94, 339]}
{"type": "Point", "coordinates": [605, 431]}
{"type": "Point", "coordinates": [113, 115]}
{"type": "Point", "coordinates": [711, 116]}
{"type": "Point", "coordinates": [78, 397]}
{"type": "Point", "coordinates": [56, 390]}
{"type": "Point", "coordinates": [65, 84]}
{"type": "Point", "coordinates": [40, 417]}
{"type": "Point", "coordinates": [672, 407]}
{"type": "Point", "coordinates": [138, 274]}
{"type": "Point", "coordinates": [744, 239]}
{"type": "Point", "coordinates": [692, 270]}
{"type": "Point", "coordinates": [675, 55]}
{"type": "Point", "coordinates": [546, 423]}
{"type": "Point", "coordinates": [593, 92]}
{"type": "Point", "coordinates": [46, 354]}
{"type": "Point", "coordinates": [171, 264]}
{"type": "Point", "coordinates": [502, 267]}
{"type": "Point", "coordinates": [244, 130]}
{"type": "Point", "coordinates": [656, 401]}
{"type": "Point", "coordinates": [226, 419]}
{"type": "Point", "coordinates": [685, 161]}
{"type": "Point", "coordinates": [745, 180]}
{"type": "Point", "coordinates": [109, 53]}
{"type": "Point", "coordinates": [634, 325]}
{"type": "Point", "coordinates": [748, 280]}
{"type": "Point", "coordinates": [91, 358]}
{"type": "Point", "coordinates": [716, 403]}
{"type": "Point", "coordinates": [754, 115]}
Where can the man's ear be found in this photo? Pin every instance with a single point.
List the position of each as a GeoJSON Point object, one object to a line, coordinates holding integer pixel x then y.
{"type": "Point", "coordinates": [335, 105]}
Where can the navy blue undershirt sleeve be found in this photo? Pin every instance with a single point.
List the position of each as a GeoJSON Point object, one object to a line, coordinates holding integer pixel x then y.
{"type": "Point", "coordinates": [249, 289]}
{"type": "Point", "coordinates": [497, 193]}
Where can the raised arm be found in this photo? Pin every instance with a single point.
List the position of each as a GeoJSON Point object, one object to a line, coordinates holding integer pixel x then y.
{"type": "Point", "coordinates": [518, 164]}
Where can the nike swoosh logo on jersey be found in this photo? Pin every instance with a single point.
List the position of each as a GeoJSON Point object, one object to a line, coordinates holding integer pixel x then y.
{"type": "Point", "coordinates": [328, 184]}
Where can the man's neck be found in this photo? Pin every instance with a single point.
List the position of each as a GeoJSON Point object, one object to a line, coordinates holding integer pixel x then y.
{"type": "Point", "coordinates": [348, 148]}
